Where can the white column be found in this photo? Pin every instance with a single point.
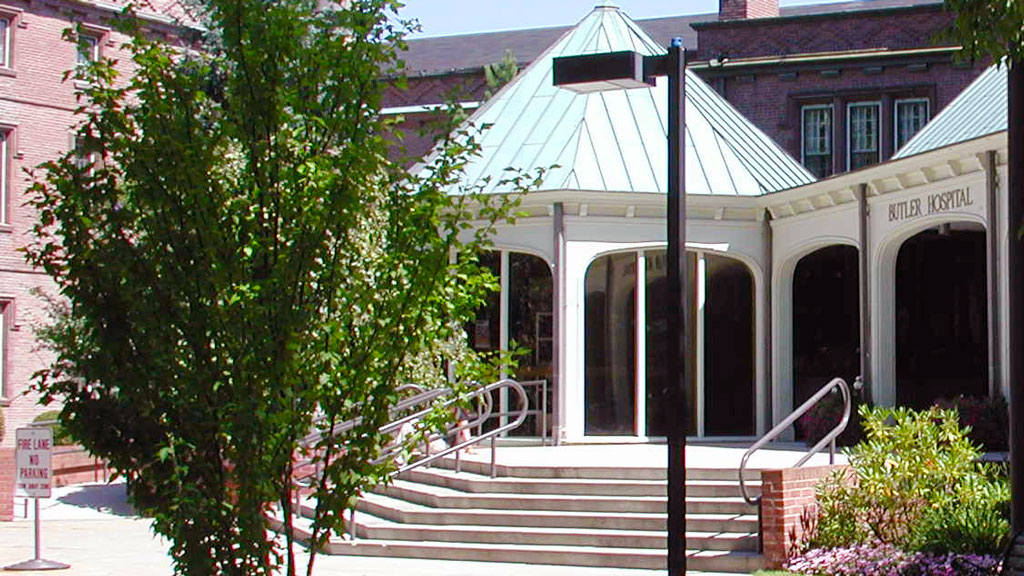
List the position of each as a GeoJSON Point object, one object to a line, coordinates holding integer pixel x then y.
{"type": "Point", "coordinates": [640, 418]}
{"type": "Point", "coordinates": [503, 333]}
{"type": "Point", "coordinates": [702, 279]}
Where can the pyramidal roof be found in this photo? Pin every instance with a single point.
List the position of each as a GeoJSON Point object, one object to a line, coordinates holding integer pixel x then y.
{"type": "Point", "coordinates": [616, 140]}
{"type": "Point", "coordinates": [978, 111]}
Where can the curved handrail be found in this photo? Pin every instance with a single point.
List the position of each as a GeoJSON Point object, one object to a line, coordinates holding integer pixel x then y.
{"type": "Point", "coordinates": [482, 395]}
{"type": "Point", "coordinates": [781, 426]}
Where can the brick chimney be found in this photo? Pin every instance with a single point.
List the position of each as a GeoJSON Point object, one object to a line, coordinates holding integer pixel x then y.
{"type": "Point", "coordinates": [746, 9]}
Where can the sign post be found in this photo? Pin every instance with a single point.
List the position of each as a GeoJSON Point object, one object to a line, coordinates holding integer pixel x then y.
{"type": "Point", "coordinates": [33, 473]}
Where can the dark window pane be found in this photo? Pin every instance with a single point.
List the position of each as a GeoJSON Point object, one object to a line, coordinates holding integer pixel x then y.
{"type": "Point", "coordinates": [729, 379]}
{"type": "Point", "coordinates": [532, 327]}
{"type": "Point", "coordinates": [610, 344]}
{"type": "Point", "coordinates": [660, 414]}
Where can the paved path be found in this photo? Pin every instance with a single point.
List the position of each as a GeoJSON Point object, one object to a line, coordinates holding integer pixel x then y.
{"type": "Point", "coordinates": [91, 527]}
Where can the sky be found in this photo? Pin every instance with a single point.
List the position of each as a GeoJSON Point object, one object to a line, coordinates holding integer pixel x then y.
{"type": "Point", "coordinates": [446, 17]}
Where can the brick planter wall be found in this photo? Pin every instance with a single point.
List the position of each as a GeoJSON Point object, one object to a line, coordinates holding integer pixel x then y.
{"type": "Point", "coordinates": [6, 484]}
{"type": "Point", "coordinates": [70, 466]}
{"type": "Point", "coordinates": [786, 496]}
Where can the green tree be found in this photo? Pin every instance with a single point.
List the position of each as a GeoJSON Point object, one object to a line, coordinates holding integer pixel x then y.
{"type": "Point", "coordinates": [500, 73]}
{"type": "Point", "coordinates": [992, 28]}
{"type": "Point", "coordinates": [238, 256]}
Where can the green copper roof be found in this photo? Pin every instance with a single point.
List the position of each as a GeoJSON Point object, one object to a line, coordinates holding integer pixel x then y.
{"type": "Point", "coordinates": [978, 111]}
{"type": "Point", "coordinates": [616, 140]}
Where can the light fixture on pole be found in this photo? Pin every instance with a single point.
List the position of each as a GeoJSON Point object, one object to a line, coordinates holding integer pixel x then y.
{"type": "Point", "coordinates": [624, 70]}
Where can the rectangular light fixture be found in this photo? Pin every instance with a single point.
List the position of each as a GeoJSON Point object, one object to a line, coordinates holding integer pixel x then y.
{"type": "Point", "coordinates": [597, 72]}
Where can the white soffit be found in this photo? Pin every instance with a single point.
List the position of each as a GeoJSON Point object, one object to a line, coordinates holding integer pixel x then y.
{"type": "Point", "coordinates": [617, 140]}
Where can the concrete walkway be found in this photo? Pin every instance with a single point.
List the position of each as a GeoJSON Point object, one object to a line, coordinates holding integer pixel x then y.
{"type": "Point", "coordinates": [92, 527]}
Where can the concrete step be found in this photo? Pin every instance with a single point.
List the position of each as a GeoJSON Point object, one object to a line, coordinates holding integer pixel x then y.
{"type": "Point", "coordinates": [731, 561]}
{"type": "Point", "coordinates": [482, 467]}
{"type": "Point", "coordinates": [443, 497]}
{"type": "Point", "coordinates": [371, 527]}
{"type": "Point", "coordinates": [412, 513]}
{"type": "Point", "coordinates": [477, 483]}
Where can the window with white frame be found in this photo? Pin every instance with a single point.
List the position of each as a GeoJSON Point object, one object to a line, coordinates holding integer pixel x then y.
{"type": "Point", "coordinates": [816, 145]}
{"type": "Point", "coordinates": [863, 128]}
{"type": "Point", "coordinates": [5, 41]}
{"type": "Point", "coordinates": [86, 156]}
{"type": "Point", "coordinates": [88, 49]}
{"type": "Point", "coordinates": [4, 313]}
{"type": "Point", "coordinates": [911, 116]}
{"type": "Point", "coordinates": [5, 200]}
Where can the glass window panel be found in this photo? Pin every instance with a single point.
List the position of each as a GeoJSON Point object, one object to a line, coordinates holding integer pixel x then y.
{"type": "Point", "coordinates": [4, 190]}
{"type": "Point", "coordinates": [659, 413]}
{"type": "Point", "coordinates": [531, 326]}
{"type": "Point", "coordinates": [3, 349]}
{"type": "Point", "coordinates": [817, 140]}
{"type": "Point", "coordinates": [610, 345]}
{"type": "Point", "coordinates": [88, 49]}
{"type": "Point", "coordinates": [485, 330]}
{"type": "Point", "coordinates": [863, 136]}
{"type": "Point", "coordinates": [5, 43]}
{"type": "Point", "coordinates": [729, 380]}
{"type": "Point", "coordinates": [911, 116]}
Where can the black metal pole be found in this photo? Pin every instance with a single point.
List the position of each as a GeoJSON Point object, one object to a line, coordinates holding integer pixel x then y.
{"type": "Point", "coordinates": [677, 311]}
{"type": "Point", "coordinates": [1015, 278]}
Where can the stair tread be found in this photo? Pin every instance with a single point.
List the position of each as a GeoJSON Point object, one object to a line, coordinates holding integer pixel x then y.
{"type": "Point", "coordinates": [603, 550]}
{"type": "Point", "coordinates": [406, 506]}
{"type": "Point", "coordinates": [483, 478]}
{"type": "Point", "coordinates": [371, 521]}
{"type": "Point", "coordinates": [444, 491]}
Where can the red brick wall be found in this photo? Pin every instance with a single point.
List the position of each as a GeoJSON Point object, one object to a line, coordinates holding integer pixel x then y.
{"type": "Point", "coordinates": [70, 466]}
{"type": "Point", "coordinates": [892, 29]}
{"type": "Point", "coordinates": [741, 9]}
{"type": "Point", "coordinates": [772, 100]}
{"type": "Point", "coordinates": [787, 495]}
{"type": "Point", "coordinates": [6, 484]}
{"type": "Point", "coordinates": [37, 111]}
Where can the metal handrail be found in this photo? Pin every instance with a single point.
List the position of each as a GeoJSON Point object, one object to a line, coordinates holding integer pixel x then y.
{"type": "Point", "coordinates": [829, 439]}
{"type": "Point", "coordinates": [482, 395]}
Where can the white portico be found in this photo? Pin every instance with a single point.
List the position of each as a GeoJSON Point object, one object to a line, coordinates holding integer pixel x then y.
{"type": "Point", "coordinates": [775, 258]}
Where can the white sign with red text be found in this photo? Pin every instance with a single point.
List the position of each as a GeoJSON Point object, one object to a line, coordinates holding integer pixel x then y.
{"type": "Point", "coordinates": [32, 462]}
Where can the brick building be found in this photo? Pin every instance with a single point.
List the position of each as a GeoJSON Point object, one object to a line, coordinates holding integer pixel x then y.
{"type": "Point", "coordinates": [838, 86]}
{"type": "Point", "coordinates": [36, 124]}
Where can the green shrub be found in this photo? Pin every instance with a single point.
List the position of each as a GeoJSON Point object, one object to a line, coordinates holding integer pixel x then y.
{"type": "Point", "coordinates": [987, 420]}
{"type": "Point", "coordinates": [60, 435]}
{"type": "Point", "coordinates": [917, 484]}
{"type": "Point", "coordinates": [976, 521]}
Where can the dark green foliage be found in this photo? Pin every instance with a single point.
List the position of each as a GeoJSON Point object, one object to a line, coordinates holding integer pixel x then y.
{"type": "Point", "coordinates": [988, 28]}
{"type": "Point", "coordinates": [987, 420]}
{"type": "Point", "coordinates": [500, 73]}
{"type": "Point", "coordinates": [243, 257]}
{"type": "Point", "coordinates": [60, 435]}
{"type": "Point", "coordinates": [826, 414]}
{"type": "Point", "coordinates": [915, 483]}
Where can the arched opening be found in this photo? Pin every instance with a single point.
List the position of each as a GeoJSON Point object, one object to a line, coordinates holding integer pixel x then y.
{"type": "Point", "coordinates": [729, 382]}
{"type": "Point", "coordinates": [610, 345]}
{"type": "Point", "coordinates": [528, 283]}
{"type": "Point", "coordinates": [721, 356]}
{"type": "Point", "coordinates": [826, 319]}
{"type": "Point", "coordinates": [941, 315]}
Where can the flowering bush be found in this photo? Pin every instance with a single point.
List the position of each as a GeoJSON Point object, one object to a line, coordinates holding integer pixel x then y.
{"type": "Point", "coordinates": [887, 560]}
{"type": "Point", "coordinates": [917, 485]}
